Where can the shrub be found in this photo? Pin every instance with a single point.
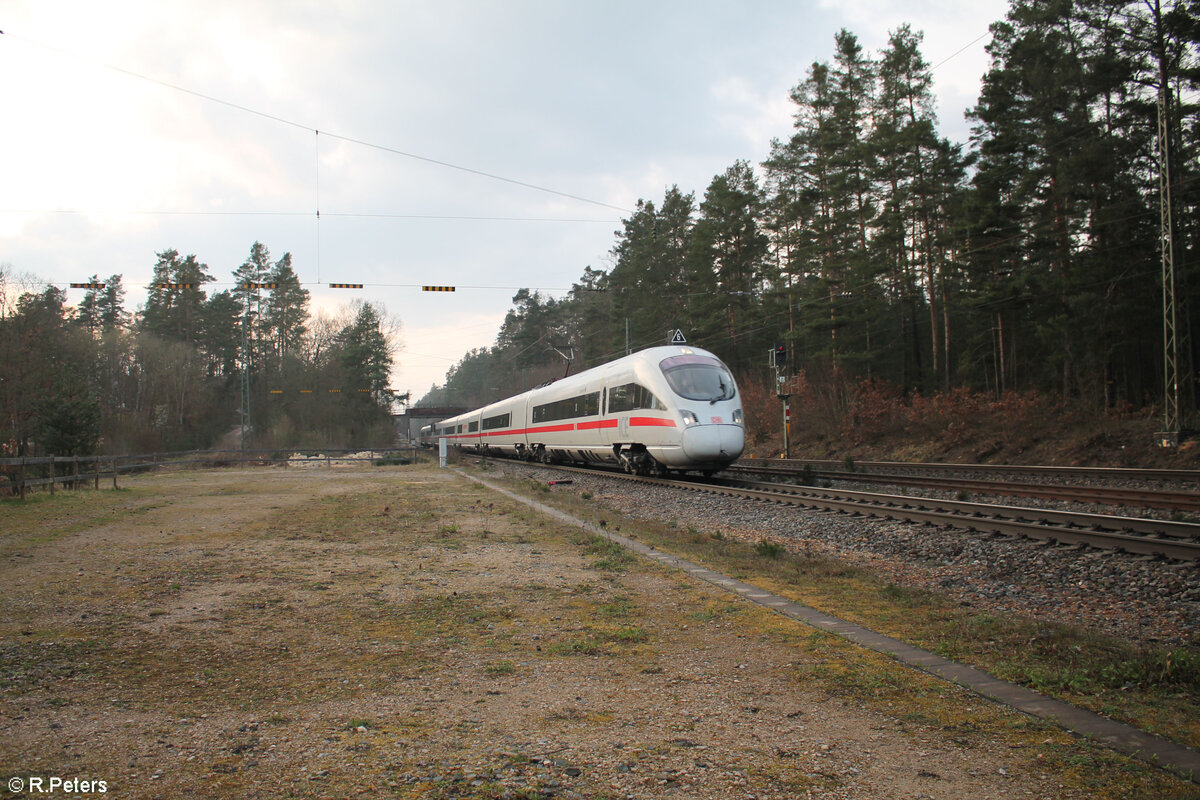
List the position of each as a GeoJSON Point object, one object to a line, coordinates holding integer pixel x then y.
{"type": "Point", "coordinates": [769, 549]}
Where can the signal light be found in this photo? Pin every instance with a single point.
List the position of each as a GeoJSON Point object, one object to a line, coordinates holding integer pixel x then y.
{"type": "Point", "coordinates": [780, 354]}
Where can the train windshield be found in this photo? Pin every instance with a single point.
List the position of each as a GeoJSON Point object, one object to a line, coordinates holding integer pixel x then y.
{"type": "Point", "coordinates": [698, 378]}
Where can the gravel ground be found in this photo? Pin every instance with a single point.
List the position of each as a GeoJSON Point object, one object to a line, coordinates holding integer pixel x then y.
{"type": "Point", "coordinates": [1142, 600]}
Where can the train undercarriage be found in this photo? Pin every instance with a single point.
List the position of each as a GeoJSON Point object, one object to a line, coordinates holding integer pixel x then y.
{"type": "Point", "coordinates": [633, 458]}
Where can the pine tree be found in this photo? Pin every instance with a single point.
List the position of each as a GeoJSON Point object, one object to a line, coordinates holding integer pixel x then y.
{"type": "Point", "coordinates": [255, 270]}
{"type": "Point", "coordinates": [87, 314]}
{"type": "Point", "coordinates": [366, 355]}
{"type": "Point", "coordinates": [175, 297]}
{"type": "Point", "coordinates": [919, 174]}
{"type": "Point", "coordinates": [110, 305]}
{"type": "Point", "coordinates": [286, 310]}
{"type": "Point", "coordinates": [650, 282]}
{"type": "Point", "coordinates": [728, 254]}
{"type": "Point", "coordinates": [1064, 200]}
{"type": "Point", "coordinates": [825, 169]}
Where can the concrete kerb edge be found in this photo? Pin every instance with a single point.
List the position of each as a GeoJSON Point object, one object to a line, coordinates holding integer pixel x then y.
{"type": "Point", "coordinates": [1157, 751]}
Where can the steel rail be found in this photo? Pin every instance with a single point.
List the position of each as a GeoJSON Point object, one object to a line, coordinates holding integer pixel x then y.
{"type": "Point", "coordinates": [1176, 540]}
{"type": "Point", "coordinates": [1106, 495]}
{"type": "Point", "coordinates": [1189, 476]}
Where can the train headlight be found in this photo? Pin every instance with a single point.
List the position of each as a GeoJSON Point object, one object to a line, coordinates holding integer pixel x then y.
{"type": "Point", "coordinates": [737, 416]}
{"type": "Point", "coordinates": [688, 418]}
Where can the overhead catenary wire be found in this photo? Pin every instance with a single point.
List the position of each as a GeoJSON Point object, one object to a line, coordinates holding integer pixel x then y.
{"type": "Point", "coordinates": [307, 127]}
{"type": "Point", "coordinates": [366, 285]}
{"type": "Point", "coordinates": [960, 51]}
{"type": "Point", "coordinates": [342, 214]}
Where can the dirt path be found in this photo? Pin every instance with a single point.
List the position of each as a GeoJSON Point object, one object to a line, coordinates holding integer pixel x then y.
{"type": "Point", "coordinates": [400, 632]}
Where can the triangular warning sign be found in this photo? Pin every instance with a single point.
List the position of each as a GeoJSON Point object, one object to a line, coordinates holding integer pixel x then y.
{"type": "Point", "coordinates": [677, 337]}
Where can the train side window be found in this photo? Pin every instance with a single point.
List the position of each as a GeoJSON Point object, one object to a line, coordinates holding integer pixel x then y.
{"type": "Point", "coordinates": [498, 421]}
{"type": "Point", "coordinates": [631, 397]}
{"type": "Point", "coordinates": [616, 399]}
{"type": "Point", "coordinates": [584, 405]}
{"type": "Point", "coordinates": [472, 427]}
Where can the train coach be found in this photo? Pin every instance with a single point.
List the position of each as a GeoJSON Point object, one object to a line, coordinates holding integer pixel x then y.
{"type": "Point", "coordinates": [660, 409]}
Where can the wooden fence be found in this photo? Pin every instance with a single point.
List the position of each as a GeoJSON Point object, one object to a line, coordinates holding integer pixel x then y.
{"type": "Point", "coordinates": [18, 476]}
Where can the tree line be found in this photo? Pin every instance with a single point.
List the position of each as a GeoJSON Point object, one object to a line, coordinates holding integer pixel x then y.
{"type": "Point", "coordinates": [191, 366]}
{"type": "Point", "coordinates": [1029, 258]}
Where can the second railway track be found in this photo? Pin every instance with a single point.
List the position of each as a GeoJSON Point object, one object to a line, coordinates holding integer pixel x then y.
{"type": "Point", "coordinates": [933, 476]}
{"type": "Point", "coordinates": [1177, 541]}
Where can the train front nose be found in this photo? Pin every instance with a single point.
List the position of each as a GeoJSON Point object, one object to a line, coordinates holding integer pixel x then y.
{"type": "Point", "coordinates": [713, 443]}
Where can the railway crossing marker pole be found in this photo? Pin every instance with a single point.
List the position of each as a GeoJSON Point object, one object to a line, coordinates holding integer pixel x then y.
{"type": "Point", "coordinates": [787, 426]}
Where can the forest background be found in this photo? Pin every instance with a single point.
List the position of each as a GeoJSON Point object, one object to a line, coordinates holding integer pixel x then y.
{"type": "Point", "coordinates": [914, 281]}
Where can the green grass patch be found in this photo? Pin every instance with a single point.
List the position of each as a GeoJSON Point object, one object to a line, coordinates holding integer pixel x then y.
{"type": "Point", "coordinates": [500, 668]}
{"type": "Point", "coordinates": [609, 556]}
{"type": "Point", "coordinates": [586, 645]}
{"type": "Point", "coordinates": [597, 641]}
{"type": "Point", "coordinates": [618, 607]}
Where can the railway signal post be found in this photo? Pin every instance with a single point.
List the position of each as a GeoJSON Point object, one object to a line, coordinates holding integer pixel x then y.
{"type": "Point", "coordinates": [778, 360]}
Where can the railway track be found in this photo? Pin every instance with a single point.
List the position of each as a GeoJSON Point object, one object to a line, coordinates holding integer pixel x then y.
{"type": "Point", "coordinates": [1188, 477]}
{"type": "Point", "coordinates": [934, 477]}
{"type": "Point", "coordinates": [1177, 541]}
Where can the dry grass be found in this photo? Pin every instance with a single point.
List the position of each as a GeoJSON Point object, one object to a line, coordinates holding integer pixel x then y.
{"type": "Point", "coordinates": [1155, 689]}
{"type": "Point", "coordinates": [273, 634]}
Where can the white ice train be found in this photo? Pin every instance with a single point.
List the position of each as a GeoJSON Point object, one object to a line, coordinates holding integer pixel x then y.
{"type": "Point", "coordinates": [660, 409]}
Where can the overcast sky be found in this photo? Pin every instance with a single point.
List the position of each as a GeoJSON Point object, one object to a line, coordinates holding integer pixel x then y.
{"type": "Point", "coordinates": [135, 127]}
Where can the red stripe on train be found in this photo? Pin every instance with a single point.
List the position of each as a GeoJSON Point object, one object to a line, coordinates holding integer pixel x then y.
{"type": "Point", "coordinates": [636, 422]}
{"type": "Point", "coordinates": [591, 426]}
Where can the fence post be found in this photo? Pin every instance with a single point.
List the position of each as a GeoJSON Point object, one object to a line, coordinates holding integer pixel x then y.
{"type": "Point", "coordinates": [75, 473]}
{"type": "Point", "coordinates": [21, 476]}
{"type": "Point", "coordinates": [96, 471]}
{"type": "Point", "coordinates": [114, 469]}
{"type": "Point", "coordinates": [53, 474]}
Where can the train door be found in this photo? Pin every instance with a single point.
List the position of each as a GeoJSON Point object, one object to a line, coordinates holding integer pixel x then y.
{"type": "Point", "coordinates": [619, 433]}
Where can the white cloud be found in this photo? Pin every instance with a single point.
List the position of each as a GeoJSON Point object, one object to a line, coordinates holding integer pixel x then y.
{"type": "Point", "coordinates": [756, 113]}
